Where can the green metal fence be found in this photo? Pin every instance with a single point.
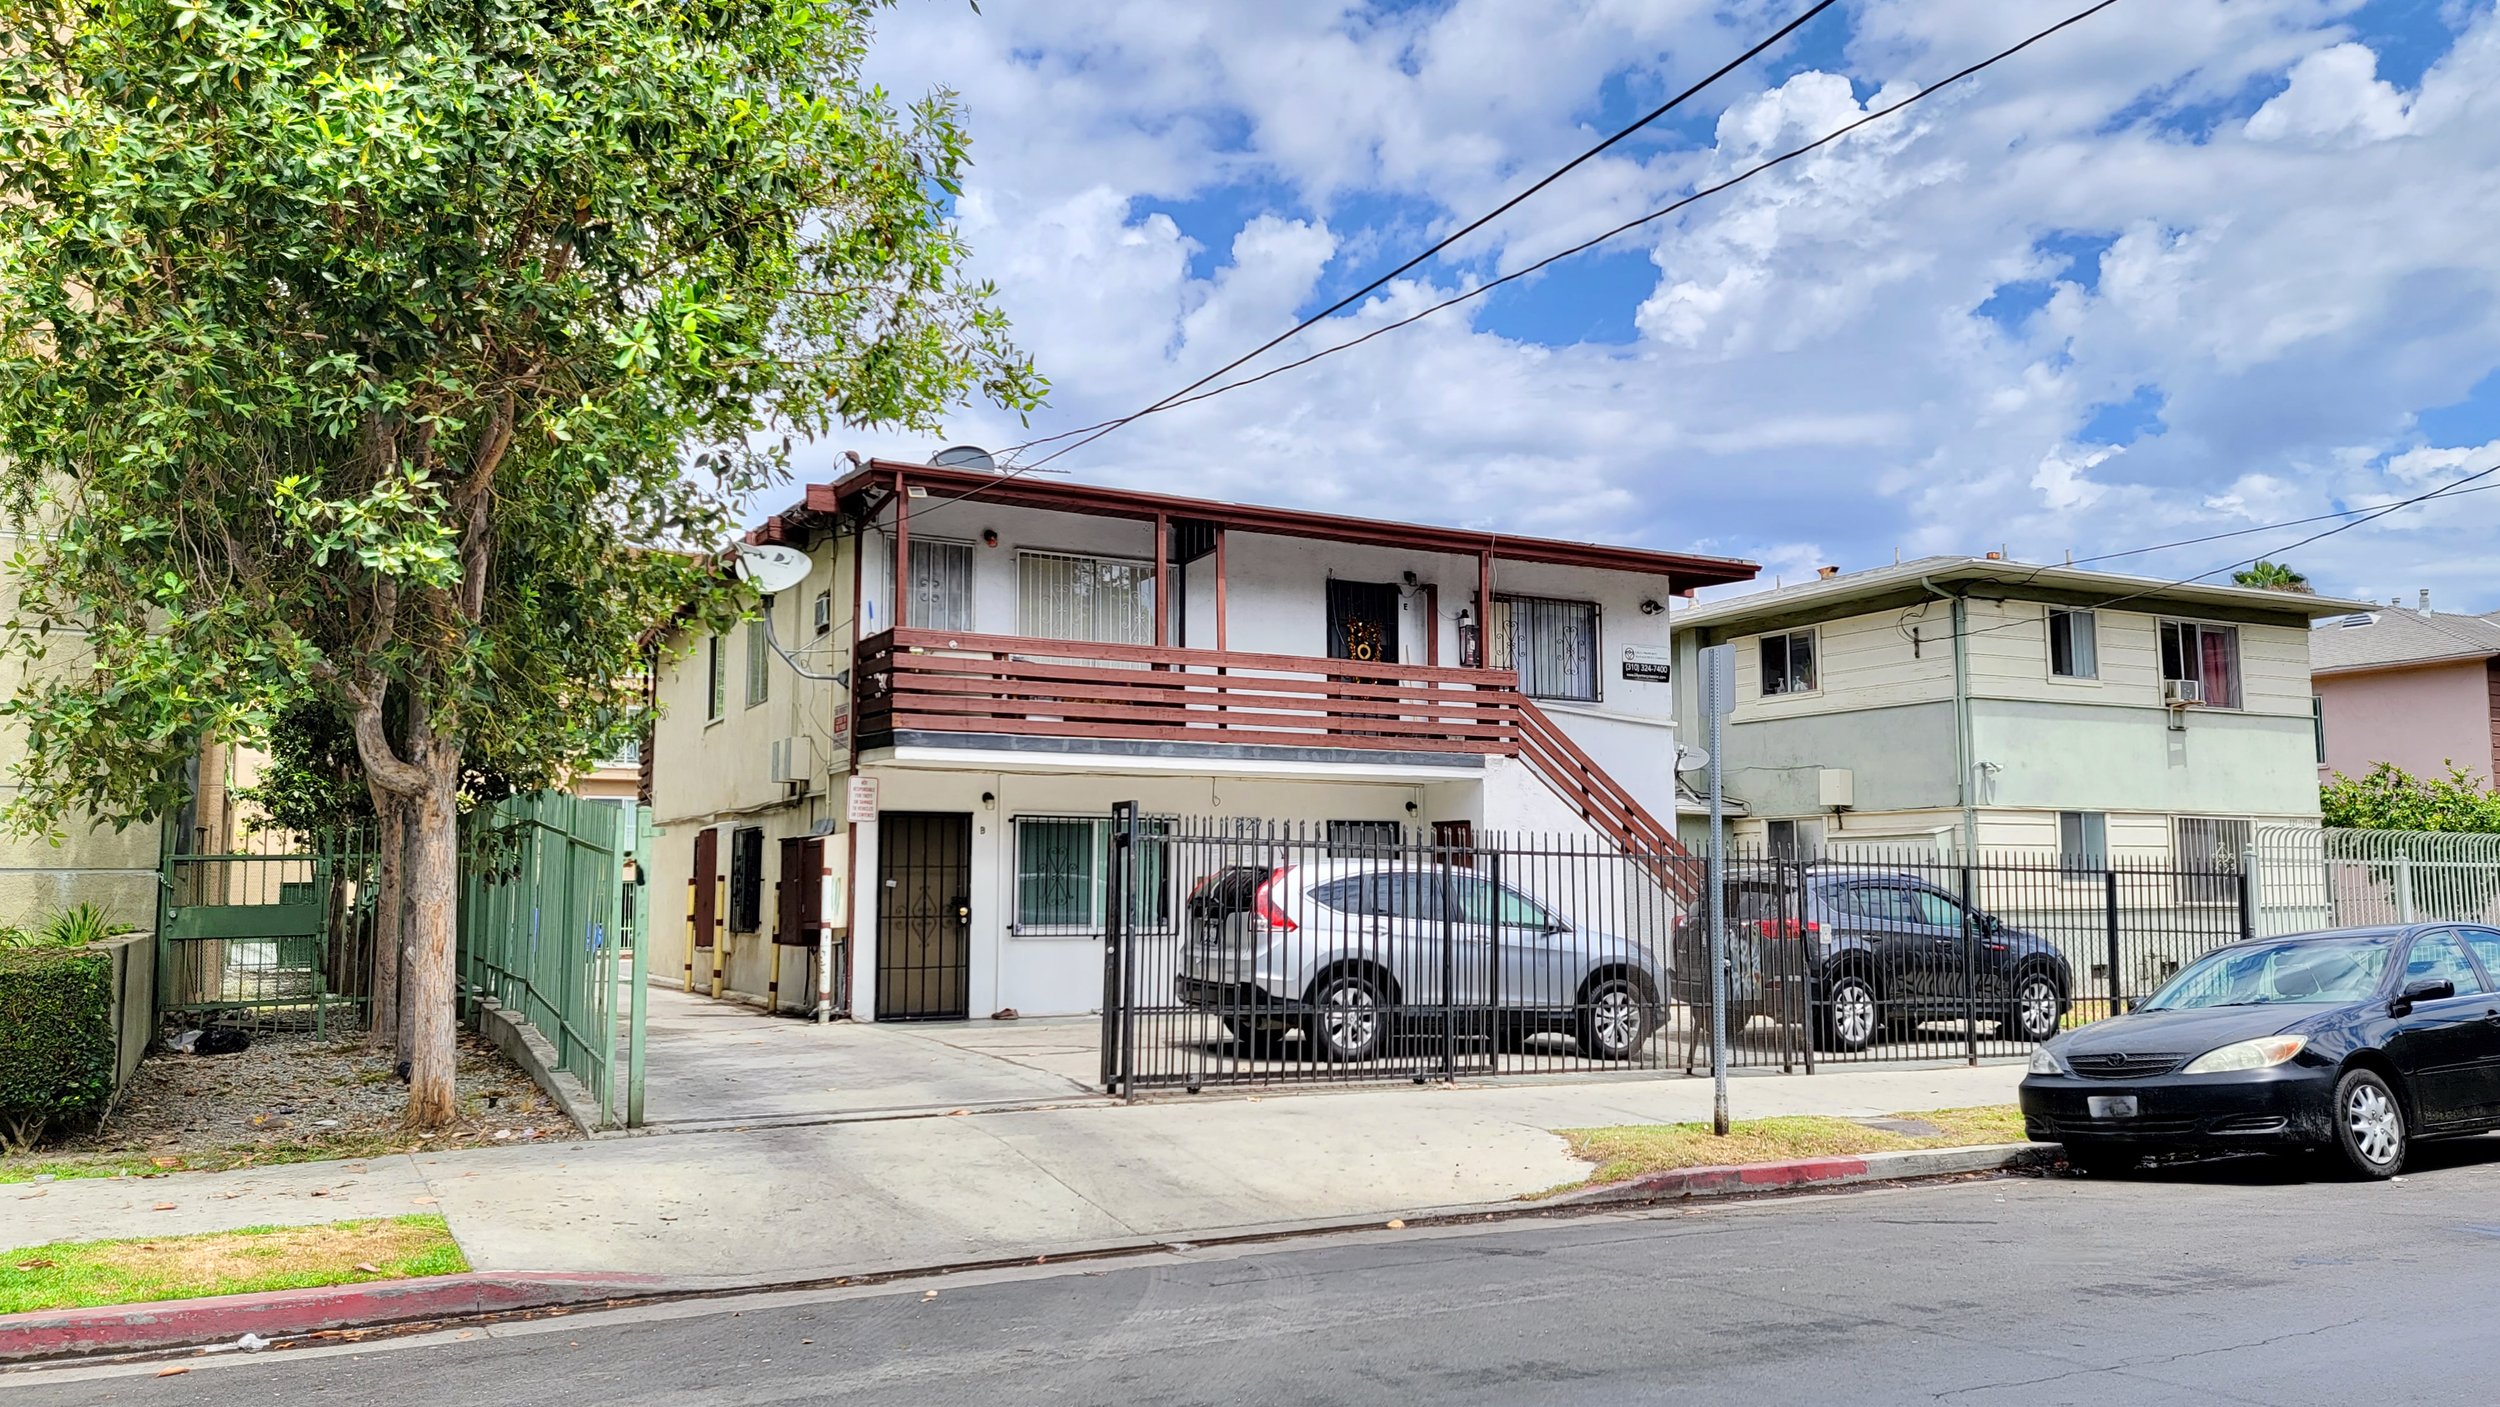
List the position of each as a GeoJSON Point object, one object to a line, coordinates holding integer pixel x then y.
{"type": "Point", "coordinates": [547, 932]}
{"type": "Point", "coordinates": [276, 934]}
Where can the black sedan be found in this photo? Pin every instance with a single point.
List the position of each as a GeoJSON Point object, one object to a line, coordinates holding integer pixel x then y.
{"type": "Point", "coordinates": [2358, 1040]}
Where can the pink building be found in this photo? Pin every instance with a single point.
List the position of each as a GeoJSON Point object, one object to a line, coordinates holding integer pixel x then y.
{"type": "Point", "coordinates": [2416, 688]}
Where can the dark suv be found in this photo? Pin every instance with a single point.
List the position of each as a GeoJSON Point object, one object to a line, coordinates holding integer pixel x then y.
{"type": "Point", "coordinates": [1866, 951]}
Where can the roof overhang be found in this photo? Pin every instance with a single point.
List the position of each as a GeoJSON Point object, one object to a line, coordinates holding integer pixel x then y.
{"type": "Point", "coordinates": [1982, 579]}
{"type": "Point", "coordinates": [2320, 671]}
{"type": "Point", "coordinates": [869, 487]}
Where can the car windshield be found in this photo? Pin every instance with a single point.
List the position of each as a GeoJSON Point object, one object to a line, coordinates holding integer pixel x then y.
{"type": "Point", "coordinates": [2311, 973]}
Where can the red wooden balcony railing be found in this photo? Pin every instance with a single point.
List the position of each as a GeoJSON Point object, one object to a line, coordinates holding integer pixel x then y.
{"type": "Point", "coordinates": [936, 682]}
{"type": "Point", "coordinates": [929, 681]}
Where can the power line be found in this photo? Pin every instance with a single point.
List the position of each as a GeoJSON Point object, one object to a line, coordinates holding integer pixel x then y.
{"type": "Point", "coordinates": [2260, 528]}
{"type": "Point", "coordinates": [2369, 516]}
{"type": "Point", "coordinates": [1186, 398]}
{"type": "Point", "coordinates": [1438, 246]}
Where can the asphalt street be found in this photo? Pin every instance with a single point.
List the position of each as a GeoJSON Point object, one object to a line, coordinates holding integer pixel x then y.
{"type": "Point", "coordinates": [2228, 1282]}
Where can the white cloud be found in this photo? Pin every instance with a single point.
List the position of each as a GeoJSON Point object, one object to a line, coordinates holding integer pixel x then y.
{"type": "Point", "coordinates": [1810, 377]}
{"type": "Point", "coordinates": [2335, 95]}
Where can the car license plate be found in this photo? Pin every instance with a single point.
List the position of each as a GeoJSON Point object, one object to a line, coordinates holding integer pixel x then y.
{"type": "Point", "coordinates": [2111, 1106]}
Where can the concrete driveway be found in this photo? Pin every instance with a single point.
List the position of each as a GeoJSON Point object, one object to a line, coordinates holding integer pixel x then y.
{"type": "Point", "coordinates": [711, 1064]}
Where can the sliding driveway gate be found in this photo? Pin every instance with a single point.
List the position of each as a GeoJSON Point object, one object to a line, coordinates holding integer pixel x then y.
{"type": "Point", "coordinates": [1244, 952]}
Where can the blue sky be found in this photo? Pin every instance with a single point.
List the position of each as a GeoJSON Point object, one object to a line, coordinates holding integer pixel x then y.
{"type": "Point", "coordinates": [2187, 267]}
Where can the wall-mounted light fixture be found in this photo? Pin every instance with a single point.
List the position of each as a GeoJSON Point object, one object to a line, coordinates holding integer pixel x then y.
{"type": "Point", "coordinates": [1651, 605]}
{"type": "Point", "coordinates": [989, 537]}
{"type": "Point", "coordinates": [989, 801]}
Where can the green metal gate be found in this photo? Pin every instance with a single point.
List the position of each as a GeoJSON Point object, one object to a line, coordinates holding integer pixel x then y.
{"type": "Point", "coordinates": [548, 921]}
{"type": "Point", "coordinates": [276, 937]}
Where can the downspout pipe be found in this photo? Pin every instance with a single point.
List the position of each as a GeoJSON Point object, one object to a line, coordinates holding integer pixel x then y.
{"type": "Point", "coordinates": [1962, 747]}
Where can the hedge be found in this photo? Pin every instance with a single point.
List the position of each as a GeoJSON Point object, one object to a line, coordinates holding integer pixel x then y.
{"type": "Point", "coordinates": [56, 1039]}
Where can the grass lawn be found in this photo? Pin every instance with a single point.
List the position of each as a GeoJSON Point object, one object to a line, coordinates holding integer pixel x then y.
{"type": "Point", "coordinates": [1629, 1150]}
{"type": "Point", "coordinates": [77, 1274]}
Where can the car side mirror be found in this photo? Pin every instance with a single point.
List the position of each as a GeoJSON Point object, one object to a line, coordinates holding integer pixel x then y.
{"type": "Point", "coordinates": [2429, 989]}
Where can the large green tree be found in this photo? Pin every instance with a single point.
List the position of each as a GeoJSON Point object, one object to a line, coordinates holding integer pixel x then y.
{"type": "Point", "coordinates": [406, 359]}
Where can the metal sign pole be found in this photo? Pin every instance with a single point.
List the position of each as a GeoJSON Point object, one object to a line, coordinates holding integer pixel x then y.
{"type": "Point", "coordinates": [1715, 687]}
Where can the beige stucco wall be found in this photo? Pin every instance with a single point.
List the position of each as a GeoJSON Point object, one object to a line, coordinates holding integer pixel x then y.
{"type": "Point", "coordinates": [1883, 710]}
{"type": "Point", "coordinates": [1897, 657]}
{"type": "Point", "coordinates": [92, 863]}
{"type": "Point", "coordinates": [2422, 719]}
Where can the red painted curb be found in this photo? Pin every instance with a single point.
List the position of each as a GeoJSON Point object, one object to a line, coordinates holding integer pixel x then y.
{"type": "Point", "coordinates": [123, 1328]}
{"type": "Point", "coordinates": [1808, 1172]}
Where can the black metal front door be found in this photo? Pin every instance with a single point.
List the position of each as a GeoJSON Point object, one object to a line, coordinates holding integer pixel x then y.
{"type": "Point", "coordinates": [1363, 621]}
{"type": "Point", "coordinates": [924, 916]}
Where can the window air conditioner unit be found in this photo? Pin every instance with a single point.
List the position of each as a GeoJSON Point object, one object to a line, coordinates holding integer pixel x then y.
{"type": "Point", "coordinates": [790, 760]}
{"type": "Point", "coordinates": [2176, 692]}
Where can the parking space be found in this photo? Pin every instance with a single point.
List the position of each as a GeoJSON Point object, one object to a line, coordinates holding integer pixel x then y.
{"type": "Point", "coordinates": [713, 1063]}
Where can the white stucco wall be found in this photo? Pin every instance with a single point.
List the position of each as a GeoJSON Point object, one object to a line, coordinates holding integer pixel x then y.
{"type": "Point", "coordinates": [714, 773]}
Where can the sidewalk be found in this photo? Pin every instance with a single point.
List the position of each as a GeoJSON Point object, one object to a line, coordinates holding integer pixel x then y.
{"type": "Point", "coordinates": [724, 1207]}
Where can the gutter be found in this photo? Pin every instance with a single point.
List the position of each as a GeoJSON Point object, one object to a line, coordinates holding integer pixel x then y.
{"type": "Point", "coordinates": [1962, 747]}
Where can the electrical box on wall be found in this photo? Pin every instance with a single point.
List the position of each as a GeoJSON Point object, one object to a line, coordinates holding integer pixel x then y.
{"type": "Point", "coordinates": [1838, 787]}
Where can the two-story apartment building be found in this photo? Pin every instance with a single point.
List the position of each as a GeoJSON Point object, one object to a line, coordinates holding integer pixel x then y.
{"type": "Point", "coordinates": [1977, 703]}
{"type": "Point", "coordinates": [2411, 687]}
{"type": "Point", "coordinates": [909, 759]}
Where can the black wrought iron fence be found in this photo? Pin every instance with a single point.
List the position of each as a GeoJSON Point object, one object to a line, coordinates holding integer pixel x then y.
{"type": "Point", "coordinates": [1279, 953]}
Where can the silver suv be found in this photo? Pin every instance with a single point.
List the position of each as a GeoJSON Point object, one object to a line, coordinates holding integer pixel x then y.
{"type": "Point", "coordinates": [1342, 953]}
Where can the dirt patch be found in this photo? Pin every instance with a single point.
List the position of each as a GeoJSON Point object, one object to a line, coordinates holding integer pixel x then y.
{"type": "Point", "coordinates": [292, 1097]}
{"type": "Point", "coordinates": [1630, 1150]}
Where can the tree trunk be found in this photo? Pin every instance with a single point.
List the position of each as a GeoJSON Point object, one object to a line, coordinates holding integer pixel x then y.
{"type": "Point", "coordinates": [405, 1039]}
{"type": "Point", "coordinates": [390, 836]}
{"type": "Point", "coordinates": [434, 891]}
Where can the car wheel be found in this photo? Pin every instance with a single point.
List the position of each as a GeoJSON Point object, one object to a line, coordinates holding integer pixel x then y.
{"type": "Point", "coordinates": [1349, 1019]}
{"type": "Point", "coordinates": [2093, 1161]}
{"type": "Point", "coordinates": [1616, 1018]}
{"type": "Point", "coordinates": [2369, 1125]}
{"type": "Point", "coordinates": [1850, 1015]}
{"type": "Point", "coordinates": [2038, 1006]}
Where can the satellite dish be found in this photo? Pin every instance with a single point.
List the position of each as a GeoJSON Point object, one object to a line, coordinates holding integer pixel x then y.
{"type": "Point", "coordinates": [771, 570]}
{"type": "Point", "coordinates": [1691, 759]}
{"type": "Point", "coordinates": [965, 457]}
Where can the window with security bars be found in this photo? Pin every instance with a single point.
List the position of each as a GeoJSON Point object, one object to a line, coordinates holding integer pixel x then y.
{"type": "Point", "coordinates": [746, 879]}
{"type": "Point", "coordinates": [1063, 876]}
{"type": "Point", "coordinates": [2208, 852]}
{"type": "Point", "coordinates": [1551, 644]}
{"type": "Point", "coordinates": [1109, 600]}
{"type": "Point", "coordinates": [941, 582]}
{"type": "Point", "coordinates": [1354, 840]}
{"type": "Point", "coordinates": [716, 680]}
